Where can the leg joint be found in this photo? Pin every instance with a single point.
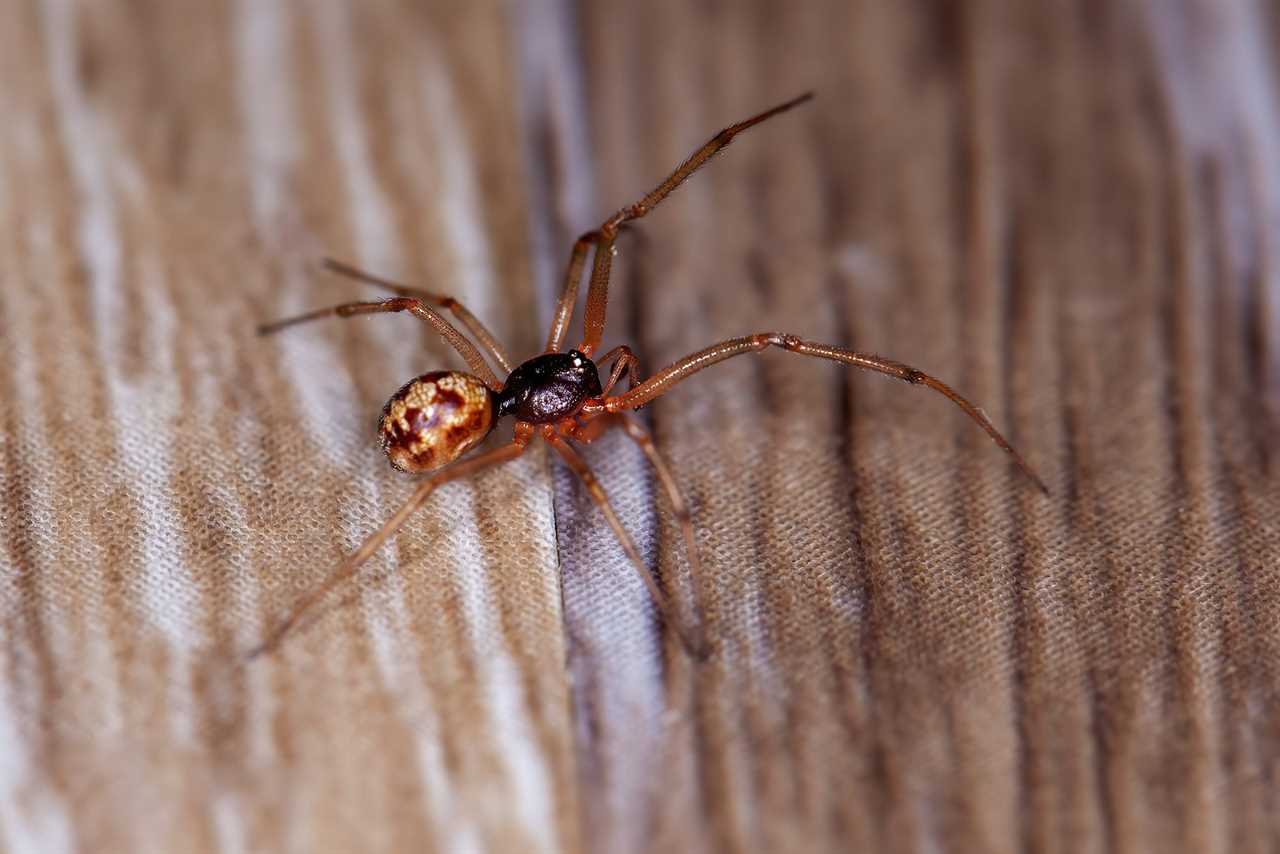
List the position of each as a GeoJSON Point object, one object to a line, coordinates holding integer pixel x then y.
{"type": "Point", "coordinates": [775, 339]}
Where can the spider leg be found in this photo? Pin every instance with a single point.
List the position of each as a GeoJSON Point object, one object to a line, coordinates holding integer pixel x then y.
{"type": "Point", "coordinates": [640, 434]}
{"type": "Point", "coordinates": [486, 338]}
{"type": "Point", "coordinates": [349, 566]}
{"type": "Point", "coordinates": [413, 305]}
{"type": "Point", "coordinates": [569, 293]}
{"type": "Point", "coordinates": [598, 294]}
{"type": "Point", "coordinates": [662, 381]}
{"type": "Point", "coordinates": [626, 360]}
{"type": "Point", "coordinates": [691, 640]}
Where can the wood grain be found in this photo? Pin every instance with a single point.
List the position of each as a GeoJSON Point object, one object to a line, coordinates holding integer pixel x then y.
{"type": "Point", "coordinates": [1066, 209]}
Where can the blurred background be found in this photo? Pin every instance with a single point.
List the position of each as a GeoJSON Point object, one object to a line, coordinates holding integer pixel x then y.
{"type": "Point", "coordinates": [1066, 209]}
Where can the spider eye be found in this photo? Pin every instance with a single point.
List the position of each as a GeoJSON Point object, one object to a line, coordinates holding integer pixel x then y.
{"type": "Point", "coordinates": [434, 419]}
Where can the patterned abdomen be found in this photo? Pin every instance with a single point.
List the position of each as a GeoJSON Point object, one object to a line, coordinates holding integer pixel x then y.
{"type": "Point", "coordinates": [434, 419]}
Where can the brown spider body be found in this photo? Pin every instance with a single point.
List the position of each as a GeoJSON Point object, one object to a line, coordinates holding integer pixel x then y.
{"type": "Point", "coordinates": [435, 419]}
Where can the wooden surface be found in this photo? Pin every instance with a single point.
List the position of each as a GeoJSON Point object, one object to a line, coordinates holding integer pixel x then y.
{"type": "Point", "coordinates": [1066, 209]}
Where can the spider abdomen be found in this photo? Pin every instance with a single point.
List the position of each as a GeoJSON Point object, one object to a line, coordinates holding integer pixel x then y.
{"type": "Point", "coordinates": [434, 419]}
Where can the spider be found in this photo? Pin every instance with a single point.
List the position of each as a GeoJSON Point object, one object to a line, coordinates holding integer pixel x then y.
{"type": "Point", "coordinates": [436, 418]}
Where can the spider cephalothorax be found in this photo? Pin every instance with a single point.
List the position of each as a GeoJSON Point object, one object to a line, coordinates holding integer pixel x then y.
{"type": "Point", "coordinates": [549, 387]}
{"type": "Point", "coordinates": [435, 419]}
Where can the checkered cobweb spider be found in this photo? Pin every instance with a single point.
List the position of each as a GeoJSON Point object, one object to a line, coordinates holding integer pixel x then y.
{"type": "Point", "coordinates": [436, 418]}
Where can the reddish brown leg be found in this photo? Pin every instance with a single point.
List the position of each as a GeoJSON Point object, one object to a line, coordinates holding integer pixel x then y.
{"type": "Point", "coordinates": [640, 434]}
{"type": "Point", "coordinates": [598, 295]}
{"type": "Point", "coordinates": [486, 338]}
{"type": "Point", "coordinates": [691, 640]}
{"type": "Point", "coordinates": [626, 361]}
{"type": "Point", "coordinates": [413, 305]}
{"type": "Point", "coordinates": [660, 382]}
{"type": "Point", "coordinates": [569, 293]}
{"type": "Point", "coordinates": [349, 566]}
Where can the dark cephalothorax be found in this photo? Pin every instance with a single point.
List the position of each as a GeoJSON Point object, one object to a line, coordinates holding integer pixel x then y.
{"type": "Point", "coordinates": [549, 387]}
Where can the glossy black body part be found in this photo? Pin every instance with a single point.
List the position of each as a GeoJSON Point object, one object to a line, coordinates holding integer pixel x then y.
{"type": "Point", "coordinates": [549, 387]}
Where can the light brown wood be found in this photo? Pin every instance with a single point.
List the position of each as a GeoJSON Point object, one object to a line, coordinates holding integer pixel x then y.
{"type": "Point", "coordinates": [1064, 210]}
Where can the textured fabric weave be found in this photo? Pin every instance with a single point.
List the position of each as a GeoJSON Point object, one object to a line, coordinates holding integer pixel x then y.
{"type": "Point", "coordinates": [1067, 210]}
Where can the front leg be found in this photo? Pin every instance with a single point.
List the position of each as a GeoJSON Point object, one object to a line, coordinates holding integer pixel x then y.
{"type": "Point", "coordinates": [662, 381]}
